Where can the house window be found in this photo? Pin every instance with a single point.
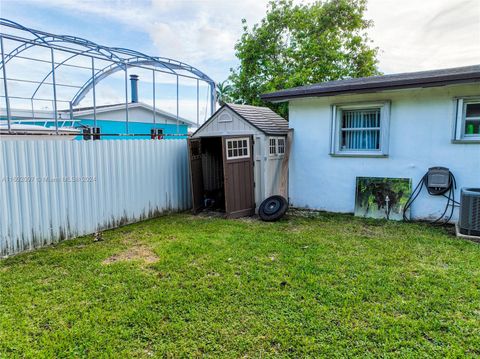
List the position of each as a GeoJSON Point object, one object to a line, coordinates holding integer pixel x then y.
{"type": "Point", "coordinates": [468, 120]}
{"type": "Point", "coordinates": [276, 146]}
{"type": "Point", "coordinates": [238, 148]}
{"type": "Point", "coordinates": [360, 130]}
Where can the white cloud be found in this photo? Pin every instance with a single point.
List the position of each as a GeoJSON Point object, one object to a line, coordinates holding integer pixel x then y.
{"type": "Point", "coordinates": [420, 35]}
{"type": "Point", "coordinates": [189, 30]}
{"type": "Point", "coordinates": [194, 41]}
{"type": "Point", "coordinates": [202, 28]}
{"type": "Point", "coordinates": [411, 34]}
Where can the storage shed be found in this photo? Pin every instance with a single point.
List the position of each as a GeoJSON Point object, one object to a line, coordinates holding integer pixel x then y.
{"type": "Point", "coordinates": [238, 158]}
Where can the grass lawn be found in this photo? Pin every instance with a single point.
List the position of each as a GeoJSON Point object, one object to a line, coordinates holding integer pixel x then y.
{"type": "Point", "coordinates": [309, 285]}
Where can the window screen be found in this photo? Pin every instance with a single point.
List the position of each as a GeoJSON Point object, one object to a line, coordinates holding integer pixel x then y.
{"type": "Point", "coordinates": [238, 148]}
{"type": "Point", "coordinates": [360, 129]}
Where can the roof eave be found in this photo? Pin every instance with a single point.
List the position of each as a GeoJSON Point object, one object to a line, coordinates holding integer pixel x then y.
{"type": "Point", "coordinates": [368, 88]}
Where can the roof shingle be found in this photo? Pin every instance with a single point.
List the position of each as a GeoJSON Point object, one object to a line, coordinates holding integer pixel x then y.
{"type": "Point", "coordinates": [262, 117]}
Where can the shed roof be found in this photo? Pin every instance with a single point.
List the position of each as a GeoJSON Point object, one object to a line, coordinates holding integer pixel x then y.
{"type": "Point", "coordinates": [261, 117]}
{"type": "Point", "coordinates": [442, 77]}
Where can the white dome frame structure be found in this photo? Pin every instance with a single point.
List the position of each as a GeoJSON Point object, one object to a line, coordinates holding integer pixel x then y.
{"type": "Point", "coordinates": [118, 59]}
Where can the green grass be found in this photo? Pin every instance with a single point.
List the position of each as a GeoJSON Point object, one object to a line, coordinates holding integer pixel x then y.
{"type": "Point", "coordinates": [307, 286]}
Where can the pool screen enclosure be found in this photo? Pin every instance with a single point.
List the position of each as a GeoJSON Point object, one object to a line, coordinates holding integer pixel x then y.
{"type": "Point", "coordinates": [31, 61]}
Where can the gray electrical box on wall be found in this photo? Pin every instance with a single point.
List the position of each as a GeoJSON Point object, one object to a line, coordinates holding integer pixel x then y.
{"type": "Point", "coordinates": [438, 177]}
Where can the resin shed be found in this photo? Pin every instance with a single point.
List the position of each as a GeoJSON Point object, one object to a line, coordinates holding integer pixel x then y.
{"type": "Point", "coordinates": [238, 158]}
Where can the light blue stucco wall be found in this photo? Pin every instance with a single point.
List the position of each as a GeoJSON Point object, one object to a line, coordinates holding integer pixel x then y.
{"type": "Point", "coordinates": [421, 132]}
{"type": "Point", "coordinates": [119, 127]}
{"type": "Point", "coordinates": [113, 127]}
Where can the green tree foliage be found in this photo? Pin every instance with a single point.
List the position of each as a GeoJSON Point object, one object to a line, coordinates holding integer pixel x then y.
{"type": "Point", "coordinates": [297, 45]}
{"type": "Point", "coordinates": [223, 91]}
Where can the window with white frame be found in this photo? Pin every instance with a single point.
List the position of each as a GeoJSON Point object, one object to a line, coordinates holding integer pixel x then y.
{"type": "Point", "coordinates": [238, 148]}
{"type": "Point", "coordinates": [467, 124]}
{"type": "Point", "coordinates": [276, 146]}
{"type": "Point", "coordinates": [360, 129]}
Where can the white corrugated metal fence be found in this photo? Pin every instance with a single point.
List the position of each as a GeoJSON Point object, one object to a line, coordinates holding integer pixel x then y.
{"type": "Point", "coordinates": [54, 190]}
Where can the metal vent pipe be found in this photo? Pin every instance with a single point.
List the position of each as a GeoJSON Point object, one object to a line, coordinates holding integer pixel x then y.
{"type": "Point", "coordinates": [134, 87]}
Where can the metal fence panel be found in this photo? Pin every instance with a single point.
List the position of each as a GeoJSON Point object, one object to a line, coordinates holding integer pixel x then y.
{"type": "Point", "coordinates": [55, 190]}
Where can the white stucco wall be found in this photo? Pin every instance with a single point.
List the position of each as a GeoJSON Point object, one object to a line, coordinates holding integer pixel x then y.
{"type": "Point", "coordinates": [421, 126]}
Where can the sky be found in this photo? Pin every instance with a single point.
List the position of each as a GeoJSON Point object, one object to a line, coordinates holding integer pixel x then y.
{"type": "Point", "coordinates": [412, 35]}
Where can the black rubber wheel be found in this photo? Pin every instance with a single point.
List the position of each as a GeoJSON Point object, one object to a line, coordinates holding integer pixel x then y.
{"type": "Point", "coordinates": [273, 208]}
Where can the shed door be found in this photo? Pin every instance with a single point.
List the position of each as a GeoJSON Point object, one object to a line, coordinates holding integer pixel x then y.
{"type": "Point", "coordinates": [196, 175]}
{"type": "Point", "coordinates": [238, 173]}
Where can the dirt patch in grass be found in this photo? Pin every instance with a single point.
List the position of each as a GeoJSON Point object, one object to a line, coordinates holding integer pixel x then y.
{"type": "Point", "coordinates": [250, 219]}
{"type": "Point", "coordinates": [138, 253]}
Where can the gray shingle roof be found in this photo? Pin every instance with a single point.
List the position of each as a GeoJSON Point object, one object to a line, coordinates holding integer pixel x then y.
{"type": "Point", "coordinates": [467, 74]}
{"type": "Point", "coordinates": [262, 117]}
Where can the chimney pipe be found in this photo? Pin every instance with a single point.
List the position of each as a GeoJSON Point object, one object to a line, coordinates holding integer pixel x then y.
{"type": "Point", "coordinates": [134, 87]}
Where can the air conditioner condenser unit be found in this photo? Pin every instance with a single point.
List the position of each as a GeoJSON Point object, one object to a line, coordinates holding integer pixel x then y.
{"type": "Point", "coordinates": [469, 219]}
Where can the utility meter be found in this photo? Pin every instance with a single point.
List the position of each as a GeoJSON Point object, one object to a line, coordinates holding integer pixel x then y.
{"type": "Point", "coordinates": [439, 181]}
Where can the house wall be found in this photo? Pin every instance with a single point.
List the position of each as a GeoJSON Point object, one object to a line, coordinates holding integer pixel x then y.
{"type": "Point", "coordinates": [136, 114]}
{"type": "Point", "coordinates": [114, 127]}
{"type": "Point", "coordinates": [421, 132]}
{"type": "Point", "coordinates": [266, 169]}
{"type": "Point", "coordinates": [140, 121]}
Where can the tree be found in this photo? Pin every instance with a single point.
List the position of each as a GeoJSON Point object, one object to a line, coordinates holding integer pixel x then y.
{"type": "Point", "coordinates": [297, 45]}
{"type": "Point", "coordinates": [223, 91]}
